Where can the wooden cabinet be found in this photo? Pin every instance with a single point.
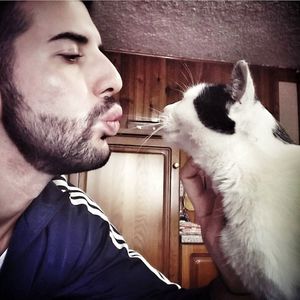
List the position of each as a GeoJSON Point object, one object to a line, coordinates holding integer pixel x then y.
{"type": "Point", "coordinates": [138, 190]}
{"type": "Point", "coordinates": [197, 267]}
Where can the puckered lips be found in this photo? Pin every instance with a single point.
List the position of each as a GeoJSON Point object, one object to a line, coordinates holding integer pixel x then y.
{"type": "Point", "coordinates": [111, 120]}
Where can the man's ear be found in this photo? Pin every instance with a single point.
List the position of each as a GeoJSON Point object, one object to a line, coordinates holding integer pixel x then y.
{"type": "Point", "coordinates": [242, 87]}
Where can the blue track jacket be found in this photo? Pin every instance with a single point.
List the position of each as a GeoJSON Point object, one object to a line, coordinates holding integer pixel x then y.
{"type": "Point", "coordinates": [64, 247]}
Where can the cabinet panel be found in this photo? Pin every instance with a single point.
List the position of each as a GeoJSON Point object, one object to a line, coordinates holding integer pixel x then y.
{"type": "Point", "coordinates": [133, 198]}
{"type": "Point", "coordinates": [202, 270]}
{"type": "Point", "coordinates": [138, 191]}
{"type": "Point", "coordinates": [197, 267]}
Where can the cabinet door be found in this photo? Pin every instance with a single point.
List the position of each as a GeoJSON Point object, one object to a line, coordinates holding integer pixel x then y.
{"type": "Point", "coordinates": [138, 191]}
{"type": "Point", "coordinates": [197, 267]}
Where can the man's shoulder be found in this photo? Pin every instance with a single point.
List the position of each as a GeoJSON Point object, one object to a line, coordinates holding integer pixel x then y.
{"type": "Point", "coordinates": [66, 222]}
{"type": "Point", "coordinates": [78, 215]}
{"type": "Point", "coordinates": [60, 215]}
{"type": "Point", "coordinates": [78, 200]}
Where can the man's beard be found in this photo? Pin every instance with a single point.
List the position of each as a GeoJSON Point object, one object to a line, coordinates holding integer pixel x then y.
{"type": "Point", "coordinates": [50, 144]}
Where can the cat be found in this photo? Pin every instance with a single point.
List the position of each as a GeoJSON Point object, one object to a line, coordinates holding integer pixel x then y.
{"type": "Point", "coordinates": [252, 162]}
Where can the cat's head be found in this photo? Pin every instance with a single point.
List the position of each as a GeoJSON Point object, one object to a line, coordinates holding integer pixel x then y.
{"type": "Point", "coordinates": [213, 114]}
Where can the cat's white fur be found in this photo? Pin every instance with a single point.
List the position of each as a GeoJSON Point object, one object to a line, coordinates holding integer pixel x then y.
{"type": "Point", "coordinates": [259, 177]}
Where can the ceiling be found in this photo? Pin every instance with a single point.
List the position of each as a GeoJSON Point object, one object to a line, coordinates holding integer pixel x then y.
{"type": "Point", "coordinates": [262, 32]}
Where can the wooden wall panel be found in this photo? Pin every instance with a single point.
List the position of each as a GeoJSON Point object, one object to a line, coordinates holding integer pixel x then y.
{"type": "Point", "coordinates": [150, 83]}
{"type": "Point", "coordinates": [265, 89]}
{"type": "Point", "coordinates": [182, 74]}
{"type": "Point", "coordinates": [144, 81]}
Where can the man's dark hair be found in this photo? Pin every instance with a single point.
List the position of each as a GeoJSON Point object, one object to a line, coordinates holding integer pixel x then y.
{"type": "Point", "coordinates": [13, 22]}
{"type": "Point", "coordinates": [88, 4]}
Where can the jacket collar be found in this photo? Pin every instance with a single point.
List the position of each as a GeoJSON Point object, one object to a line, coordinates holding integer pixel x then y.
{"type": "Point", "coordinates": [35, 218]}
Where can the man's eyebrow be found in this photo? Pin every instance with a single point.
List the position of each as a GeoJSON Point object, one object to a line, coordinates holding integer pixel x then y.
{"type": "Point", "coordinates": [75, 37]}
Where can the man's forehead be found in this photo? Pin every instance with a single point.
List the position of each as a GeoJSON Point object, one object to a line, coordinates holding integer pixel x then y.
{"type": "Point", "coordinates": [49, 18]}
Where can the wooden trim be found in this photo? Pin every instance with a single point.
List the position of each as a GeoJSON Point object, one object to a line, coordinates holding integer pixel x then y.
{"type": "Point", "coordinates": [129, 52]}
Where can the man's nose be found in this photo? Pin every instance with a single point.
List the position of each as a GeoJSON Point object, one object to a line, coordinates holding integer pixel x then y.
{"type": "Point", "coordinates": [107, 79]}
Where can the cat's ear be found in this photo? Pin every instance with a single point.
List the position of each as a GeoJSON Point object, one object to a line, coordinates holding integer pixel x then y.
{"type": "Point", "coordinates": [242, 87]}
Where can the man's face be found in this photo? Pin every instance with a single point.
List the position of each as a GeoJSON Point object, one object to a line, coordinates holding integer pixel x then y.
{"type": "Point", "coordinates": [59, 109]}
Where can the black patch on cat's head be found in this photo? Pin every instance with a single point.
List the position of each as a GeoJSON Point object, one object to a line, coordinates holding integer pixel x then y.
{"type": "Point", "coordinates": [211, 106]}
{"type": "Point", "coordinates": [280, 134]}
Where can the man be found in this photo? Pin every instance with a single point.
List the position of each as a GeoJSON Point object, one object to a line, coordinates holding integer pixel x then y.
{"type": "Point", "coordinates": [57, 108]}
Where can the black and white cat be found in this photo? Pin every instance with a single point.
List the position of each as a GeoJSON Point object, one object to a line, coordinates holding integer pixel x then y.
{"type": "Point", "coordinates": [252, 163]}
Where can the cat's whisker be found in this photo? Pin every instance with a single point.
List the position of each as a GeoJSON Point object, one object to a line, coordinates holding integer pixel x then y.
{"type": "Point", "coordinates": [148, 125]}
{"type": "Point", "coordinates": [162, 118]}
{"type": "Point", "coordinates": [182, 86]}
{"type": "Point", "coordinates": [156, 110]}
{"type": "Point", "coordinates": [185, 77]}
{"type": "Point", "coordinates": [149, 137]}
{"type": "Point", "coordinates": [189, 73]}
{"type": "Point", "coordinates": [178, 90]}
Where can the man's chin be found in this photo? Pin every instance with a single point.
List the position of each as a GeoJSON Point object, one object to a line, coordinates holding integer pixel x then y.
{"type": "Point", "coordinates": [88, 166]}
{"type": "Point", "coordinates": [58, 166]}
{"type": "Point", "coordinates": [101, 162]}
{"type": "Point", "coordinates": [95, 160]}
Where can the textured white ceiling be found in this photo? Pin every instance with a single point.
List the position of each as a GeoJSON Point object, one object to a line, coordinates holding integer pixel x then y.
{"type": "Point", "coordinates": [262, 32]}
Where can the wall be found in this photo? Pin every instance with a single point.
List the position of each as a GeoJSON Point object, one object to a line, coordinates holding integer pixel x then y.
{"type": "Point", "coordinates": [262, 32]}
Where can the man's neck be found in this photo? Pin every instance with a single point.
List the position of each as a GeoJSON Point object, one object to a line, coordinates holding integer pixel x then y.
{"type": "Point", "coordinates": [20, 183]}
